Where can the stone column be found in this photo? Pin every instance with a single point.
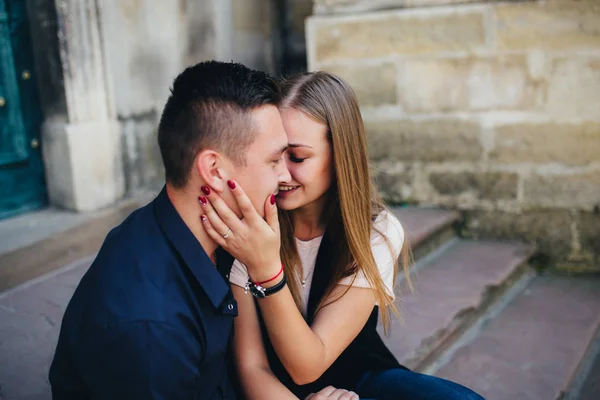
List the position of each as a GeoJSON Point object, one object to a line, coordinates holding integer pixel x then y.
{"type": "Point", "coordinates": [81, 141]}
{"type": "Point", "coordinates": [210, 30]}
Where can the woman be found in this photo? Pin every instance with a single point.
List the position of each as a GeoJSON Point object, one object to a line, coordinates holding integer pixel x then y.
{"type": "Point", "coordinates": [339, 251]}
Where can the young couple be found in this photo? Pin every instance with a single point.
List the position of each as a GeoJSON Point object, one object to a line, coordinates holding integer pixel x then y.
{"type": "Point", "coordinates": [275, 176]}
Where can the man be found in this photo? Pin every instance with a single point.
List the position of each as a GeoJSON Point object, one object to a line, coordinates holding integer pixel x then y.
{"type": "Point", "coordinates": [152, 317]}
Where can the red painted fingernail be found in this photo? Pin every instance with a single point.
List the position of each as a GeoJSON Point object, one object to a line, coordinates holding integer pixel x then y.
{"type": "Point", "coordinates": [202, 200]}
{"type": "Point", "coordinates": [203, 218]}
{"type": "Point", "coordinates": [206, 190]}
{"type": "Point", "coordinates": [272, 199]}
{"type": "Point", "coordinates": [231, 184]}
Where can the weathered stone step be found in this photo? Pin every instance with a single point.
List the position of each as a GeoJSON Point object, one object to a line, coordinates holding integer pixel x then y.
{"type": "Point", "coordinates": [452, 288]}
{"type": "Point", "coordinates": [586, 382]}
{"type": "Point", "coordinates": [41, 242]}
{"type": "Point", "coordinates": [531, 350]}
{"type": "Point", "coordinates": [426, 228]}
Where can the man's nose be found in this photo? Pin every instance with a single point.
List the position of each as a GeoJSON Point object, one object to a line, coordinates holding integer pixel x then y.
{"type": "Point", "coordinates": [284, 173]}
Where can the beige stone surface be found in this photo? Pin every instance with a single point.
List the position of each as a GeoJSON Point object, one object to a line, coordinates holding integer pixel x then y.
{"type": "Point", "coordinates": [483, 185]}
{"type": "Point", "coordinates": [588, 225]}
{"type": "Point", "coordinates": [395, 185]}
{"type": "Point", "coordinates": [374, 85]}
{"type": "Point", "coordinates": [548, 229]}
{"type": "Point", "coordinates": [581, 190]}
{"type": "Point", "coordinates": [390, 33]}
{"type": "Point", "coordinates": [574, 88]}
{"type": "Point", "coordinates": [425, 3]}
{"type": "Point", "coordinates": [249, 14]}
{"type": "Point", "coordinates": [570, 143]}
{"type": "Point", "coordinates": [432, 140]}
{"type": "Point", "coordinates": [353, 6]}
{"type": "Point", "coordinates": [473, 83]}
{"type": "Point", "coordinates": [529, 69]}
{"type": "Point", "coordinates": [86, 172]}
{"type": "Point", "coordinates": [585, 257]}
{"type": "Point", "coordinates": [554, 25]}
{"type": "Point", "coordinates": [356, 6]}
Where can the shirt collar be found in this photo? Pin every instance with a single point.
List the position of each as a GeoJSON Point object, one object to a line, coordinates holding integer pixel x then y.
{"type": "Point", "coordinates": [190, 250]}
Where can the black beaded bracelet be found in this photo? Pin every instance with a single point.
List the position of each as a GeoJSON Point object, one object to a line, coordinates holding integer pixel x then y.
{"type": "Point", "coordinates": [262, 292]}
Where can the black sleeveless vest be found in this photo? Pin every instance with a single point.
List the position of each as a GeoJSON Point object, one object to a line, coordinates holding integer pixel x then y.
{"type": "Point", "coordinates": [366, 352]}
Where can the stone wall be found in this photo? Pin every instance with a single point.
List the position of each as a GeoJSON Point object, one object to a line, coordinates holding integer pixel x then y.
{"type": "Point", "coordinates": [492, 108]}
{"type": "Point", "coordinates": [149, 42]}
{"type": "Point", "coordinates": [252, 33]}
{"type": "Point", "coordinates": [105, 71]}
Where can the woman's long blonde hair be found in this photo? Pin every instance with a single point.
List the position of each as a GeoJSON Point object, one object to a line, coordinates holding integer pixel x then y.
{"type": "Point", "coordinates": [353, 202]}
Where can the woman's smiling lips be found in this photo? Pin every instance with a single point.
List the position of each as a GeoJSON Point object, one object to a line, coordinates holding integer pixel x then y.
{"type": "Point", "coordinates": [286, 190]}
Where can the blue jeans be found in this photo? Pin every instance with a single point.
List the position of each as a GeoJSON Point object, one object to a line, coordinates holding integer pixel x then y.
{"type": "Point", "coordinates": [401, 384]}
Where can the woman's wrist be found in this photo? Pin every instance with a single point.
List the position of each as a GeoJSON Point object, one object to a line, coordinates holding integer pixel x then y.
{"type": "Point", "coordinates": [267, 275]}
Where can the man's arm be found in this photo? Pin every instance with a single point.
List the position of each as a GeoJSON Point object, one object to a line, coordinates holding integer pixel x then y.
{"type": "Point", "coordinates": [140, 360]}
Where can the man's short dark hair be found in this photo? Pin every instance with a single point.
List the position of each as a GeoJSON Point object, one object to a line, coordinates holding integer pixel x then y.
{"type": "Point", "coordinates": [210, 107]}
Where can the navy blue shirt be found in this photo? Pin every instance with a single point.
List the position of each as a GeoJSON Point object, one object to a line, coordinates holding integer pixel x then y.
{"type": "Point", "coordinates": [151, 319]}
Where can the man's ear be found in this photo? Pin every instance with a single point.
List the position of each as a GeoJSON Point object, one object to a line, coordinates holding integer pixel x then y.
{"type": "Point", "coordinates": [209, 165]}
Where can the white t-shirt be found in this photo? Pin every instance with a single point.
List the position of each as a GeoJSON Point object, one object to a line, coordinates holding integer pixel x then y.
{"type": "Point", "coordinates": [307, 250]}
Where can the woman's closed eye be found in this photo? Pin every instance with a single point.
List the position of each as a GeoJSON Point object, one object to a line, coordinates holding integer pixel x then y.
{"type": "Point", "coordinates": [296, 159]}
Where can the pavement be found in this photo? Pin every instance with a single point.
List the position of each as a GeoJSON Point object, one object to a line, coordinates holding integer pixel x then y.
{"type": "Point", "coordinates": [30, 318]}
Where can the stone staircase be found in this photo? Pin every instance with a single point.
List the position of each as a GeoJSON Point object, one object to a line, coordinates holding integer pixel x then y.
{"type": "Point", "coordinates": [481, 316]}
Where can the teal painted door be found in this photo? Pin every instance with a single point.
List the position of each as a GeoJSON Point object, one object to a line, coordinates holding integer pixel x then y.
{"type": "Point", "coordinates": [22, 183]}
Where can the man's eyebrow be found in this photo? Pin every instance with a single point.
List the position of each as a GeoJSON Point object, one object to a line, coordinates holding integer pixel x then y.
{"type": "Point", "coordinates": [296, 145]}
{"type": "Point", "coordinates": [279, 152]}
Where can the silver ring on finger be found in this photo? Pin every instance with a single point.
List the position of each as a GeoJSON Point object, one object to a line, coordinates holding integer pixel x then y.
{"type": "Point", "coordinates": [225, 236]}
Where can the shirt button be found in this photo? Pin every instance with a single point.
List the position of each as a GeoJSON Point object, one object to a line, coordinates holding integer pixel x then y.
{"type": "Point", "coordinates": [230, 306]}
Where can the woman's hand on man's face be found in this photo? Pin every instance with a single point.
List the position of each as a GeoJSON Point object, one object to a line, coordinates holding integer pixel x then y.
{"type": "Point", "coordinates": [251, 239]}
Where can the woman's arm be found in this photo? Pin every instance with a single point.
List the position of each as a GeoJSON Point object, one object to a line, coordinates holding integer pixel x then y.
{"type": "Point", "coordinates": [258, 381]}
{"type": "Point", "coordinates": [307, 351]}
{"type": "Point", "coordinates": [239, 275]}
{"type": "Point", "coordinates": [336, 325]}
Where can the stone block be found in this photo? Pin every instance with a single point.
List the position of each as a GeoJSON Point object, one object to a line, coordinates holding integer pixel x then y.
{"type": "Point", "coordinates": [574, 87]}
{"type": "Point", "coordinates": [484, 185]}
{"type": "Point", "coordinates": [393, 33]}
{"type": "Point", "coordinates": [427, 3]}
{"type": "Point", "coordinates": [144, 42]}
{"type": "Point", "coordinates": [356, 6]}
{"type": "Point", "coordinates": [549, 229]}
{"type": "Point", "coordinates": [142, 162]}
{"type": "Point", "coordinates": [394, 185]}
{"type": "Point", "coordinates": [208, 30]}
{"type": "Point", "coordinates": [374, 85]}
{"type": "Point", "coordinates": [570, 143]}
{"type": "Point", "coordinates": [434, 140]}
{"type": "Point", "coordinates": [577, 190]}
{"type": "Point", "coordinates": [249, 15]}
{"type": "Point", "coordinates": [457, 84]}
{"type": "Point", "coordinates": [552, 25]}
{"type": "Point", "coordinates": [353, 6]}
{"type": "Point", "coordinates": [588, 225]}
{"type": "Point", "coordinates": [84, 169]}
